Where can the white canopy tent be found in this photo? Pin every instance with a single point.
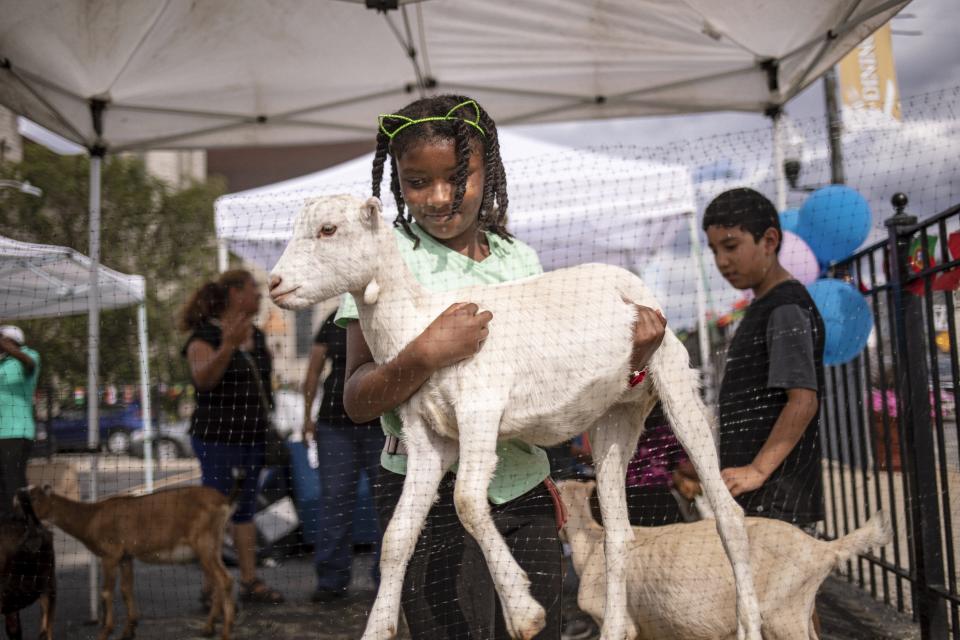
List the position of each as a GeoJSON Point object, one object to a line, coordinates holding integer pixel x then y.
{"type": "Point", "coordinates": [134, 74]}
{"type": "Point", "coordinates": [118, 75]}
{"type": "Point", "coordinates": [46, 281]}
{"type": "Point", "coordinates": [571, 205]}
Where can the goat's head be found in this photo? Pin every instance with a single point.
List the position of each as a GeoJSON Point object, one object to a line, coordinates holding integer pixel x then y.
{"type": "Point", "coordinates": [333, 251]}
{"type": "Point", "coordinates": [40, 500]}
{"type": "Point", "coordinates": [576, 498]}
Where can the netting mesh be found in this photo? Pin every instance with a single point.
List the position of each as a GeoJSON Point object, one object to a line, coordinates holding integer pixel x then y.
{"type": "Point", "coordinates": [308, 513]}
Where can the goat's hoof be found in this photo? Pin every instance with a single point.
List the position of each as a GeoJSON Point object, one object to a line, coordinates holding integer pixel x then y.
{"type": "Point", "coordinates": [527, 627]}
{"type": "Point", "coordinates": [207, 631]}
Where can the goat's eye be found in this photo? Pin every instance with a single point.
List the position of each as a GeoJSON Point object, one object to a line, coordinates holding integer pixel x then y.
{"type": "Point", "coordinates": [327, 230]}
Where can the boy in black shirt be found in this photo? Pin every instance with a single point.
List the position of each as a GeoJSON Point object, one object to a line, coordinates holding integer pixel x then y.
{"type": "Point", "coordinates": [773, 381]}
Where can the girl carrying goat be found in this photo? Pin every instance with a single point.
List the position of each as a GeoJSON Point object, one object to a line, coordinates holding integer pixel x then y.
{"type": "Point", "coordinates": [450, 187]}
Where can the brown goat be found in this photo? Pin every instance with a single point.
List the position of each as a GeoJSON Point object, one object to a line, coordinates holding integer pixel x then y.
{"type": "Point", "coordinates": [172, 526]}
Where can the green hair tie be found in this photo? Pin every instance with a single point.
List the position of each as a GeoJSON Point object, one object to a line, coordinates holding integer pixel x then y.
{"type": "Point", "coordinates": [391, 123]}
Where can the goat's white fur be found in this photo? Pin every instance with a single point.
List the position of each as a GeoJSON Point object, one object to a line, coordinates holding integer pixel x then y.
{"type": "Point", "coordinates": [554, 365]}
{"type": "Point", "coordinates": [679, 584]}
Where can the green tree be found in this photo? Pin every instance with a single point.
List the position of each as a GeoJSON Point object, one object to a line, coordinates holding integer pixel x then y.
{"type": "Point", "coordinates": [165, 235]}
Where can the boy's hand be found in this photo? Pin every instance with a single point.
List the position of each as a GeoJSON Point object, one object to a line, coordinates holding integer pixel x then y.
{"type": "Point", "coordinates": [648, 332]}
{"type": "Point", "coordinates": [455, 335]}
{"type": "Point", "coordinates": [741, 480]}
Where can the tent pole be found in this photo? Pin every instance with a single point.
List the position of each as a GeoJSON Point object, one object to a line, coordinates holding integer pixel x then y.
{"type": "Point", "coordinates": [780, 176]}
{"type": "Point", "coordinates": [93, 353]}
{"type": "Point", "coordinates": [223, 256]}
{"type": "Point", "coordinates": [145, 406]}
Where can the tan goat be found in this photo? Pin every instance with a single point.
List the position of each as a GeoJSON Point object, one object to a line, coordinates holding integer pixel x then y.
{"type": "Point", "coordinates": [172, 526]}
{"type": "Point", "coordinates": [680, 585]}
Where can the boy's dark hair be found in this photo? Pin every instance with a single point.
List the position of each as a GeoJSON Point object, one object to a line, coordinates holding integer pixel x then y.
{"type": "Point", "coordinates": [493, 207]}
{"type": "Point", "coordinates": [744, 208]}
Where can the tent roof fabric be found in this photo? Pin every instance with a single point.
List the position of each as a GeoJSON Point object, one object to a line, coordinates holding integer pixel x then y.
{"type": "Point", "coordinates": [136, 74]}
{"type": "Point", "coordinates": [44, 281]}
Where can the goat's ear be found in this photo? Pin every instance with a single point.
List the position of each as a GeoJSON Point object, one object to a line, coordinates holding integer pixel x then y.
{"type": "Point", "coordinates": [372, 209]}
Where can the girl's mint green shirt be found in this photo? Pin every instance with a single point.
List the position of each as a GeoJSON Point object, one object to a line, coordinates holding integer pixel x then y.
{"type": "Point", "coordinates": [520, 466]}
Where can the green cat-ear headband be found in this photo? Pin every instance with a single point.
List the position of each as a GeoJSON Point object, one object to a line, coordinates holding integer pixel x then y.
{"type": "Point", "coordinates": [391, 124]}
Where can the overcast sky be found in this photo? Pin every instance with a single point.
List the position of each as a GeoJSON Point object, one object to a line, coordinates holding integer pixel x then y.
{"type": "Point", "coordinates": [924, 63]}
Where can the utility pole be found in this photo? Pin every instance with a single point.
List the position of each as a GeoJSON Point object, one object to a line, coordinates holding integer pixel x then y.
{"type": "Point", "coordinates": [835, 126]}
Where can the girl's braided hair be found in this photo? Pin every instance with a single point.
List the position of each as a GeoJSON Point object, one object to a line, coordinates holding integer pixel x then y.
{"type": "Point", "coordinates": [493, 207]}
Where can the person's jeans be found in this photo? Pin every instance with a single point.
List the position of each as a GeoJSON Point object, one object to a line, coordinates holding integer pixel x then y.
{"type": "Point", "coordinates": [13, 469]}
{"type": "Point", "coordinates": [342, 451]}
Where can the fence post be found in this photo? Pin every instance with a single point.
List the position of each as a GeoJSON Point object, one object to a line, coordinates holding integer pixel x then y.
{"type": "Point", "coordinates": [913, 394]}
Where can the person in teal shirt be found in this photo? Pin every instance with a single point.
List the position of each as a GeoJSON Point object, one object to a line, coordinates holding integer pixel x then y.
{"type": "Point", "coordinates": [19, 370]}
{"type": "Point", "coordinates": [449, 183]}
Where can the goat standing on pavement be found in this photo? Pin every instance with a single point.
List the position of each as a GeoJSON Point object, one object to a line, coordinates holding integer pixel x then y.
{"type": "Point", "coordinates": [555, 362]}
{"type": "Point", "coordinates": [185, 524]}
{"type": "Point", "coordinates": [679, 587]}
{"type": "Point", "coordinates": [27, 568]}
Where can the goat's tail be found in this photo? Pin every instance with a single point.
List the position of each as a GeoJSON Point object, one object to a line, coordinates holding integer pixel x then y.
{"type": "Point", "coordinates": [239, 475]}
{"type": "Point", "coordinates": [875, 533]}
{"type": "Point", "coordinates": [26, 504]}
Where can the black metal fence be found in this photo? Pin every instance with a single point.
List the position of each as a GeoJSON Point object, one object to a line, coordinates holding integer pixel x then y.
{"type": "Point", "coordinates": [890, 429]}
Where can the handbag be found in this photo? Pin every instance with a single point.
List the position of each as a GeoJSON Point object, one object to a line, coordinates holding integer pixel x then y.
{"type": "Point", "coordinates": [276, 453]}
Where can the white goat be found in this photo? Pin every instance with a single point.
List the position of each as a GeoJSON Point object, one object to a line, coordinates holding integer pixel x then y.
{"type": "Point", "coordinates": [556, 362]}
{"type": "Point", "coordinates": [679, 585]}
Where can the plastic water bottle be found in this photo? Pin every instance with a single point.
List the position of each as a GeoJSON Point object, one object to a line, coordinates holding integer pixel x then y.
{"type": "Point", "coordinates": [313, 458]}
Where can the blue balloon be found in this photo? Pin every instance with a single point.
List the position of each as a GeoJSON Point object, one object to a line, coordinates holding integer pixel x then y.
{"type": "Point", "coordinates": [789, 219]}
{"type": "Point", "coordinates": [846, 318]}
{"type": "Point", "coordinates": [834, 221]}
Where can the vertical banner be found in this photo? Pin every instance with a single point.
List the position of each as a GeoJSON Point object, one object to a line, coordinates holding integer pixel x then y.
{"type": "Point", "coordinates": [868, 79]}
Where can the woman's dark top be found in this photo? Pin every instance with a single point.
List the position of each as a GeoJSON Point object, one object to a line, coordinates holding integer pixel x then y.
{"type": "Point", "coordinates": [232, 412]}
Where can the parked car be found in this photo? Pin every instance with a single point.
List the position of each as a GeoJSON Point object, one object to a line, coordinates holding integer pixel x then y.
{"type": "Point", "coordinates": [68, 431]}
{"type": "Point", "coordinates": [170, 441]}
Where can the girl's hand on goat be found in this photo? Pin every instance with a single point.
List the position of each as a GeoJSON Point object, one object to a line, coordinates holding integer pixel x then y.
{"type": "Point", "coordinates": [237, 328]}
{"type": "Point", "coordinates": [648, 332]}
{"type": "Point", "coordinates": [455, 335]}
{"type": "Point", "coordinates": [744, 479]}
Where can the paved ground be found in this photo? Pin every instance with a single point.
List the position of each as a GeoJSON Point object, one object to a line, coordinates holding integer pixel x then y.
{"type": "Point", "coordinates": [169, 608]}
{"type": "Point", "coordinates": [168, 595]}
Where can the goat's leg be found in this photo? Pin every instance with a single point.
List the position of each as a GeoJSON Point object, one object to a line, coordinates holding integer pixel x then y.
{"type": "Point", "coordinates": [48, 606]}
{"type": "Point", "coordinates": [126, 590]}
{"type": "Point", "coordinates": [106, 595]}
{"type": "Point", "coordinates": [221, 586]}
{"type": "Point", "coordinates": [428, 458]}
{"type": "Point", "coordinates": [12, 626]}
{"type": "Point", "coordinates": [523, 615]}
{"type": "Point", "coordinates": [730, 521]}
{"type": "Point", "coordinates": [614, 439]}
{"type": "Point", "coordinates": [678, 388]}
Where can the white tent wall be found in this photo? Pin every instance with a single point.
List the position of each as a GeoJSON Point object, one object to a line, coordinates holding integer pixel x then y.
{"type": "Point", "coordinates": [572, 206]}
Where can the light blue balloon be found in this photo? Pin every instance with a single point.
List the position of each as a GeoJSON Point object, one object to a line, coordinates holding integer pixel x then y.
{"type": "Point", "coordinates": [834, 221]}
{"type": "Point", "coordinates": [789, 219]}
{"type": "Point", "coordinates": [846, 318]}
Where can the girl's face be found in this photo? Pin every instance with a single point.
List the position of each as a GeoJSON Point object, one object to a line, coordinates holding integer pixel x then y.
{"type": "Point", "coordinates": [428, 182]}
{"type": "Point", "coordinates": [245, 298]}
